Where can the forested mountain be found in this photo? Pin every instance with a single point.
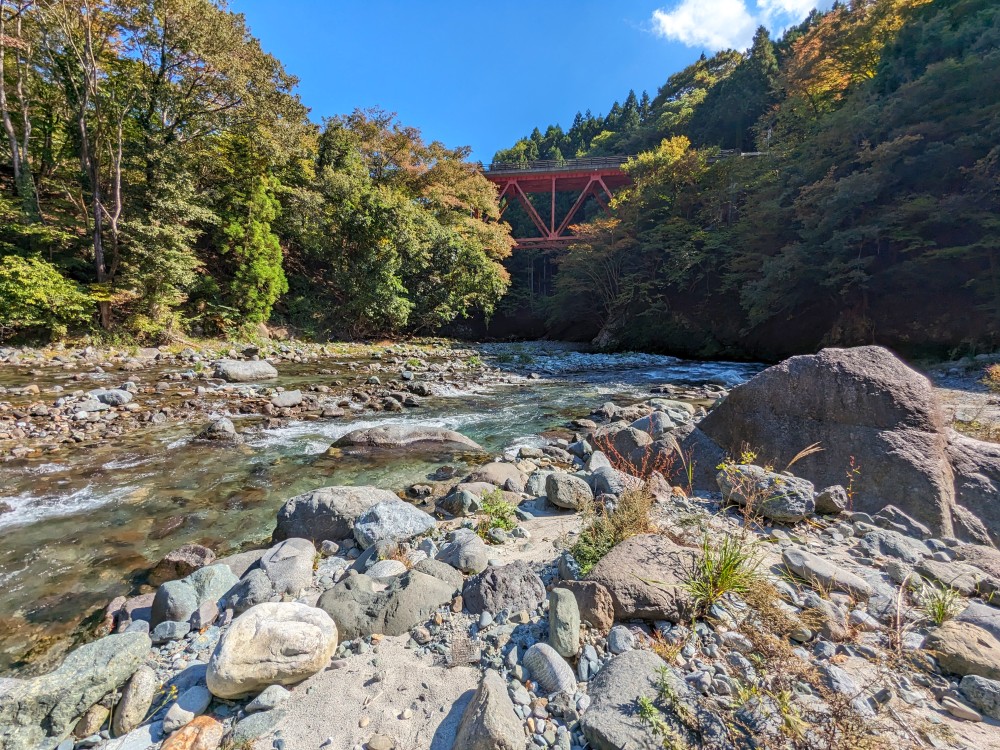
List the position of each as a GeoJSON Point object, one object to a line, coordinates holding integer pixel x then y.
{"type": "Point", "coordinates": [159, 175]}
{"type": "Point", "coordinates": [873, 213]}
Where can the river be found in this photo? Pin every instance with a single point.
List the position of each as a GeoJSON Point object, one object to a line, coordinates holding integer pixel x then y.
{"type": "Point", "coordinates": [88, 523]}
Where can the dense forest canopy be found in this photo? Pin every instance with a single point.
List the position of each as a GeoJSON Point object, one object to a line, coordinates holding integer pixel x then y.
{"type": "Point", "coordinates": [160, 175]}
{"type": "Point", "coordinates": [873, 213]}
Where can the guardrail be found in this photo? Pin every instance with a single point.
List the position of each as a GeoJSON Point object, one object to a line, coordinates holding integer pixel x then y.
{"type": "Point", "coordinates": [556, 165]}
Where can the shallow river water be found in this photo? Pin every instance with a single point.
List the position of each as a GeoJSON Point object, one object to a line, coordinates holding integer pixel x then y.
{"type": "Point", "coordinates": [89, 522]}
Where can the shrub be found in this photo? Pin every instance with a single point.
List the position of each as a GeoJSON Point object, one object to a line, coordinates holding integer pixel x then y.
{"type": "Point", "coordinates": [497, 512]}
{"type": "Point", "coordinates": [37, 298]}
{"type": "Point", "coordinates": [729, 567]}
{"type": "Point", "coordinates": [602, 530]}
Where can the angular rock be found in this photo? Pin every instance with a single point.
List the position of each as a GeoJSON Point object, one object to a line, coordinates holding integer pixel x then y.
{"type": "Point", "coordinates": [289, 565]}
{"type": "Point", "coordinates": [643, 574]}
{"type": "Point", "coordinates": [966, 579]}
{"type": "Point", "coordinates": [567, 491]}
{"type": "Point", "coordinates": [609, 481]}
{"type": "Point", "coordinates": [982, 616]}
{"type": "Point", "coordinates": [862, 403]}
{"type": "Point", "coordinates": [832, 500]}
{"type": "Point", "coordinates": [489, 721]}
{"type": "Point", "coordinates": [326, 513]}
{"type": "Point", "coordinates": [222, 430]}
{"type": "Point", "coordinates": [237, 371]}
{"type": "Point", "coordinates": [976, 466]}
{"type": "Point", "coordinates": [594, 601]}
{"type": "Point", "coordinates": [549, 670]}
{"type": "Point", "coordinates": [255, 588]}
{"type": "Point", "coordinates": [823, 574]}
{"type": "Point", "coordinates": [269, 699]}
{"type": "Point", "coordinates": [460, 503]}
{"type": "Point", "coordinates": [391, 521]}
{"type": "Point", "coordinates": [512, 587]}
{"type": "Point", "coordinates": [982, 693]}
{"type": "Point", "coordinates": [893, 544]}
{"type": "Point", "coordinates": [204, 733]}
{"type": "Point", "coordinates": [442, 571]}
{"type": "Point", "coordinates": [962, 648]}
{"type": "Point", "coordinates": [137, 697]}
{"type": "Point", "coordinates": [564, 622]}
{"type": "Point", "coordinates": [361, 605]}
{"type": "Point", "coordinates": [271, 644]}
{"type": "Point", "coordinates": [892, 518]}
{"type": "Point", "coordinates": [181, 563]}
{"type": "Point", "coordinates": [189, 704]}
{"type": "Point", "coordinates": [53, 703]}
{"type": "Point", "coordinates": [409, 438]}
{"type": "Point", "coordinates": [779, 497]}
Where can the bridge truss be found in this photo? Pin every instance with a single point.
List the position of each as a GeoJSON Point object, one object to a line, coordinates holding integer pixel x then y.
{"type": "Point", "coordinates": [591, 177]}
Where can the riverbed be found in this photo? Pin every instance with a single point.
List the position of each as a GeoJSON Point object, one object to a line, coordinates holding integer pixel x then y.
{"type": "Point", "coordinates": [88, 521]}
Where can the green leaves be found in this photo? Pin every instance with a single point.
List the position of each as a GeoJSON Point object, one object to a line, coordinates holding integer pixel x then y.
{"type": "Point", "coordinates": [36, 296]}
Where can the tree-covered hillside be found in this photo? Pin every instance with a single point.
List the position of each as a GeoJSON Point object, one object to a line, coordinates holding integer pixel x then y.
{"type": "Point", "coordinates": [159, 175]}
{"type": "Point", "coordinates": [873, 213]}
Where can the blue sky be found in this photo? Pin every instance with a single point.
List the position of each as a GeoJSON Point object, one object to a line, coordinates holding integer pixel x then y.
{"type": "Point", "coordinates": [484, 74]}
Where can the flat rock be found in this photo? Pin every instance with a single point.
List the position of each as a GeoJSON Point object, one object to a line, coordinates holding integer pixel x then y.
{"type": "Point", "coordinates": [289, 565]}
{"type": "Point", "coordinates": [391, 521]}
{"type": "Point", "coordinates": [963, 577]}
{"type": "Point", "coordinates": [963, 649]}
{"type": "Point", "coordinates": [824, 574]}
{"type": "Point", "coordinates": [983, 616]}
{"type": "Point", "coordinates": [888, 543]}
{"type": "Point", "coordinates": [239, 371]}
{"type": "Point", "coordinates": [407, 437]}
{"type": "Point", "coordinates": [643, 575]}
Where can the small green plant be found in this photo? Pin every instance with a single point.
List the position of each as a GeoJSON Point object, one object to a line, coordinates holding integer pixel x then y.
{"type": "Point", "coordinates": [727, 567]}
{"type": "Point", "coordinates": [603, 530]}
{"type": "Point", "coordinates": [475, 361]}
{"type": "Point", "coordinates": [497, 514]}
{"type": "Point", "coordinates": [413, 362]}
{"type": "Point", "coordinates": [939, 603]}
{"type": "Point", "coordinates": [651, 717]}
{"type": "Point", "coordinates": [853, 472]}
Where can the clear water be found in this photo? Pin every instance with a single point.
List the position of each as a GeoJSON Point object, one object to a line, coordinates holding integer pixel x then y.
{"type": "Point", "coordinates": [88, 523]}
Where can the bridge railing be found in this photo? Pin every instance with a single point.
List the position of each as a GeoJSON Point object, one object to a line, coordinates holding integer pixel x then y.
{"type": "Point", "coordinates": [555, 165]}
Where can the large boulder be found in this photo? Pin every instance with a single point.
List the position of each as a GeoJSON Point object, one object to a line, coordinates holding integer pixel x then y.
{"type": "Point", "coordinates": [510, 587]}
{"type": "Point", "coordinates": [567, 491]}
{"type": "Point", "coordinates": [963, 648]}
{"type": "Point", "coordinates": [278, 643]}
{"type": "Point", "coordinates": [50, 705]}
{"type": "Point", "coordinates": [238, 371]}
{"type": "Point", "coordinates": [644, 576]}
{"type": "Point", "coordinates": [326, 513]}
{"type": "Point", "coordinates": [862, 405]}
{"type": "Point", "coordinates": [976, 465]}
{"type": "Point", "coordinates": [362, 605]}
{"type": "Point", "coordinates": [612, 721]}
{"type": "Point", "coordinates": [391, 521]}
{"type": "Point", "coordinates": [500, 474]}
{"type": "Point", "coordinates": [407, 437]}
{"type": "Point", "coordinates": [465, 551]}
{"type": "Point", "coordinates": [489, 721]}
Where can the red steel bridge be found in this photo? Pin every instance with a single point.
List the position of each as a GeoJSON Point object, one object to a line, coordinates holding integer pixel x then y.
{"type": "Point", "coordinates": [597, 177]}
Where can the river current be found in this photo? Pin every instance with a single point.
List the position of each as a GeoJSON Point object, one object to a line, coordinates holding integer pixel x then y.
{"type": "Point", "coordinates": [87, 523]}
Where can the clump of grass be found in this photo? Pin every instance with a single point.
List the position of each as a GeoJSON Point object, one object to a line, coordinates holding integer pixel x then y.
{"type": "Point", "coordinates": [991, 377]}
{"type": "Point", "coordinates": [939, 603]}
{"type": "Point", "coordinates": [603, 530]}
{"type": "Point", "coordinates": [495, 513]}
{"type": "Point", "coordinates": [726, 567]}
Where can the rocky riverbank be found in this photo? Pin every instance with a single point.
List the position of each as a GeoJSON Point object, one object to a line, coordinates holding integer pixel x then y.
{"type": "Point", "coordinates": [652, 576]}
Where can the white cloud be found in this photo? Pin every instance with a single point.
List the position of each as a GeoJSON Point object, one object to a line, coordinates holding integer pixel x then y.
{"type": "Point", "coordinates": [720, 24]}
{"type": "Point", "coordinates": [715, 24]}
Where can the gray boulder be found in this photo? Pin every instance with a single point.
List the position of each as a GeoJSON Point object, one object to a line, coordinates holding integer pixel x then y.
{"type": "Point", "coordinates": [442, 571]}
{"type": "Point", "coordinates": [567, 491]}
{"type": "Point", "coordinates": [287, 399]}
{"type": "Point", "coordinates": [831, 501]}
{"type": "Point", "coordinates": [976, 466]}
{"type": "Point", "coordinates": [893, 544]}
{"type": "Point", "coordinates": [391, 521]}
{"type": "Point", "coordinates": [466, 552]}
{"type": "Point", "coordinates": [893, 519]}
{"type": "Point", "coordinates": [824, 574]}
{"type": "Point", "coordinates": [255, 588]}
{"type": "Point", "coordinates": [112, 396]}
{"type": "Point", "coordinates": [862, 403]}
{"type": "Point", "coordinates": [500, 474]}
{"type": "Point", "coordinates": [408, 437]}
{"type": "Point", "coordinates": [49, 706]}
{"type": "Point", "coordinates": [289, 565]}
{"type": "Point", "coordinates": [982, 693]}
{"type": "Point", "coordinates": [362, 605]}
{"type": "Point", "coordinates": [175, 601]}
{"type": "Point", "coordinates": [222, 430]}
{"type": "Point", "coordinates": [564, 622]}
{"type": "Point", "coordinates": [607, 480]}
{"type": "Point", "coordinates": [510, 587]}
{"type": "Point", "coordinates": [238, 371]}
{"type": "Point", "coordinates": [326, 513]}
{"type": "Point", "coordinates": [489, 721]}
{"type": "Point", "coordinates": [460, 502]}
{"type": "Point", "coordinates": [778, 497]}
{"type": "Point", "coordinates": [189, 704]}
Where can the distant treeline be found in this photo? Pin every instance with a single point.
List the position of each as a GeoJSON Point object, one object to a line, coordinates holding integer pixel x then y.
{"type": "Point", "coordinates": [872, 215]}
